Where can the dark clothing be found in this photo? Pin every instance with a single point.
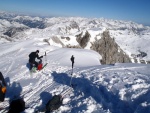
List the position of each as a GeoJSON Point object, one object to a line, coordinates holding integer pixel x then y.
{"type": "Point", "coordinates": [54, 103]}
{"type": "Point", "coordinates": [2, 79]}
{"type": "Point", "coordinates": [17, 106]}
{"type": "Point", "coordinates": [72, 60]}
{"type": "Point", "coordinates": [3, 84]}
{"type": "Point", "coordinates": [31, 65]}
{"type": "Point", "coordinates": [32, 58]}
{"type": "Point", "coordinates": [2, 95]}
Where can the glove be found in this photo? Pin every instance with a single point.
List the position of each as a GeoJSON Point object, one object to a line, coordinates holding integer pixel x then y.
{"type": "Point", "coordinates": [41, 56]}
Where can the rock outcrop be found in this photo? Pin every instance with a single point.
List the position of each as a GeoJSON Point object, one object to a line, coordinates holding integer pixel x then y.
{"type": "Point", "coordinates": [12, 31]}
{"type": "Point", "coordinates": [109, 50]}
{"type": "Point", "coordinates": [83, 40]}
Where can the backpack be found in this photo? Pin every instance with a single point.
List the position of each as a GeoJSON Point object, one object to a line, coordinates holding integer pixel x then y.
{"type": "Point", "coordinates": [17, 106]}
{"type": "Point", "coordinates": [54, 103]}
{"type": "Point", "coordinates": [39, 66]}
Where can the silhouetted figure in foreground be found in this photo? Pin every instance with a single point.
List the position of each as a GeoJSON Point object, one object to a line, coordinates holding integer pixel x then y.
{"type": "Point", "coordinates": [2, 87]}
{"type": "Point", "coordinates": [17, 106]}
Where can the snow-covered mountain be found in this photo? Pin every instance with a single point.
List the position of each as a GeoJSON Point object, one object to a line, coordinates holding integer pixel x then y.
{"type": "Point", "coordinates": [130, 38]}
{"type": "Point", "coordinates": [115, 88]}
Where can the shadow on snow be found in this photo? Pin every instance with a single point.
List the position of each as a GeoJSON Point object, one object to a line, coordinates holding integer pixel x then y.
{"type": "Point", "coordinates": [101, 95]}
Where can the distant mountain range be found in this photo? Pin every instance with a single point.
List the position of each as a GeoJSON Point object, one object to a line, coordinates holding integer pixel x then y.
{"type": "Point", "coordinates": [115, 40]}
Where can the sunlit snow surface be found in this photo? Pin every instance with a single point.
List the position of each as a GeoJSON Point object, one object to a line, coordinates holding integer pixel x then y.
{"type": "Point", "coordinates": [118, 88]}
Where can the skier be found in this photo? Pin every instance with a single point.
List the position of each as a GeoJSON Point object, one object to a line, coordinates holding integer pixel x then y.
{"type": "Point", "coordinates": [72, 60]}
{"type": "Point", "coordinates": [32, 57]}
{"type": "Point", "coordinates": [2, 88]}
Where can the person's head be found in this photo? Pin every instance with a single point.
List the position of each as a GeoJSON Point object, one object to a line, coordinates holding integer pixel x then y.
{"type": "Point", "coordinates": [72, 56]}
{"type": "Point", "coordinates": [37, 51]}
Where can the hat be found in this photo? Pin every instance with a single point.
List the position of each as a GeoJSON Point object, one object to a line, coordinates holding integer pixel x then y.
{"type": "Point", "coordinates": [37, 51]}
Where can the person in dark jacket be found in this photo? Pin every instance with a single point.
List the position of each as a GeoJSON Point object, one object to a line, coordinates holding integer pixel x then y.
{"type": "Point", "coordinates": [2, 88]}
{"type": "Point", "coordinates": [32, 57]}
{"type": "Point", "coordinates": [72, 60]}
{"type": "Point", "coordinates": [2, 92]}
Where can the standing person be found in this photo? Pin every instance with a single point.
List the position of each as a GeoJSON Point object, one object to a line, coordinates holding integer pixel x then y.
{"type": "Point", "coordinates": [32, 57]}
{"type": "Point", "coordinates": [72, 60]}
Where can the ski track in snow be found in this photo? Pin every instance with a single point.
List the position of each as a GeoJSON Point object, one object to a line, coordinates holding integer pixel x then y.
{"type": "Point", "coordinates": [114, 88]}
{"type": "Point", "coordinates": [49, 82]}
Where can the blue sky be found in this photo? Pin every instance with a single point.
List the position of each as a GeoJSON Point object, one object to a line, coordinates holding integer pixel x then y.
{"type": "Point", "coordinates": [130, 10]}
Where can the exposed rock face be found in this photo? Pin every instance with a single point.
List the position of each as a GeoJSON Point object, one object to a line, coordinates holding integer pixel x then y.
{"type": "Point", "coordinates": [148, 62]}
{"type": "Point", "coordinates": [74, 25]}
{"type": "Point", "coordinates": [6, 37]}
{"type": "Point", "coordinates": [57, 40]}
{"type": "Point", "coordinates": [109, 50]}
{"type": "Point", "coordinates": [67, 38]}
{"type": "Point", "coordinates": [32, 24]}
{"type": "Point", "coordinates": [75, 46]}
{"type": "Point", "coordinates": [12, 31]}
{"type": "Point", "coordinates": [83, 40]}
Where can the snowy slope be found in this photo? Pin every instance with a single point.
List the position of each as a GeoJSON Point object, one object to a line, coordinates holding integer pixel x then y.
{"type": "Point", "coordinates": [119, 88]}
{"type": "Point", "coordinates": [132, 37]}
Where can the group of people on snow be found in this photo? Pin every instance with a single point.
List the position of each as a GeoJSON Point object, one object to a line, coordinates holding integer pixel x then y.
{"type": "Point", "coordinates": [18, 105]}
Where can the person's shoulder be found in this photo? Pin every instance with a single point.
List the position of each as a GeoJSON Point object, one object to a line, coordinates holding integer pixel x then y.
{"type": "Point", "coordinates": [31, 52]}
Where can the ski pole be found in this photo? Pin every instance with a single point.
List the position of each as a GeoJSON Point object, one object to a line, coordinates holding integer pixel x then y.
{"type": "Point", "coordinates": [45, 57]}
{"type": "Point", "coordinates": [71, 78]}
